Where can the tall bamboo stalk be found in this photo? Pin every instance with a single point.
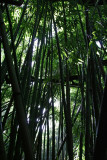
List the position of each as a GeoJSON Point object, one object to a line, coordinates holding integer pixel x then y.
{"type": "Point", "coordinates": [17, 95]}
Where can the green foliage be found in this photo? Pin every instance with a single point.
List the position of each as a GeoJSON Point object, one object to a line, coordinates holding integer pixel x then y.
{"type": "Point", "coordinates": [39, 75]}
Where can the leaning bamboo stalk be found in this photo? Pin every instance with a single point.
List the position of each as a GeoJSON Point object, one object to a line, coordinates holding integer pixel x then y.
{"type": "Point", "coordinates": [100, 148]}
{"type": "Point", "coordinates": [27, 145]}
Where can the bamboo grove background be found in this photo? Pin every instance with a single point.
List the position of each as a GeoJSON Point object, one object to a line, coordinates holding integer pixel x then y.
{"type": "Point", "coordinates": [53, 80]}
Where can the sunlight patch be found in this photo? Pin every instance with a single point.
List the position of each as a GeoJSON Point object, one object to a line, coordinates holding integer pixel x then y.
{"type": "Point", "coordinates": [98, 44]}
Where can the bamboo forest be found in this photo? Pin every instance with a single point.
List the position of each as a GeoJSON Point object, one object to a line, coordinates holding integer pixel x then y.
{"type": "Point", "coordinates": [53, 80]}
